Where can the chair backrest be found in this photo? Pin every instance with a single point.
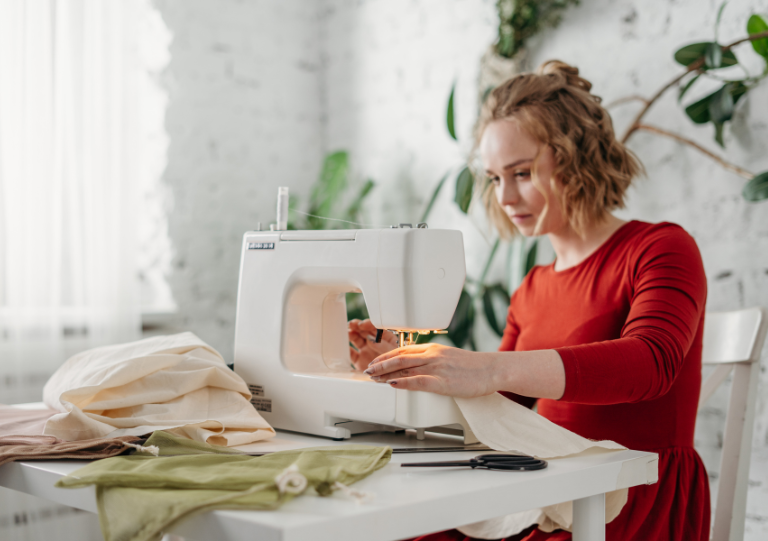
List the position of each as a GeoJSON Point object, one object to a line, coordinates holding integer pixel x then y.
{"type": "Point", "coordinates": [734, 340]}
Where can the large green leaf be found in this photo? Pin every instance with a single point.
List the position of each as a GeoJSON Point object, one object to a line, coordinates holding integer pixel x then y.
{"type": "Point", "coordinates": [432, 199]}
{"type": "Point", "coordinates": [353, 210]}
{"type": "Point", "coordinates": [495, 306]}
{"type": "Point", "coordinates": [691, 53]}
{"type": "Point", "coordinates": [757, 25]}
{"type": "Point", "coordinates": [721, 104]}
{"type": "Point", "coordinates": [687, 87]}
{"type": "Point", "coordinates": [464, 189]}
{"type": "Point", "coordinates": [713, 56]}
{"type": "Point", "coordinates": [460, 329]}
{"type": "Point", "coordinates": [450, 115]}
{"type": "Point", "coordinates": [328, 189]}
{"type": "Point", "coordinates": [699, 111]}
{"type": "Point", "coordinates": [757, 188]}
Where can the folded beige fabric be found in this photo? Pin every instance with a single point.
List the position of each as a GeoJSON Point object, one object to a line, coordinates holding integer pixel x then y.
{"type": "Point", "coordinates": [176, 383]}
{"type": "Point", "coordinates": [505, 425]}
{"type": "Point", "coordinates": [18, 421]}
{"type": "Point", "coordinates": [13, 448]}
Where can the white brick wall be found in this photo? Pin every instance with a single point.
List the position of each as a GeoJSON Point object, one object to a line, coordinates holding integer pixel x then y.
{"type": "Point", "coordinates": [258, 91]}
{"type": "Point", "coordinates": [244, 116]}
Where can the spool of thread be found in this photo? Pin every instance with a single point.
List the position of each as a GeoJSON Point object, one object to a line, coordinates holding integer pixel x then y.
{"type": "Point", "coordinates": [282, 208]}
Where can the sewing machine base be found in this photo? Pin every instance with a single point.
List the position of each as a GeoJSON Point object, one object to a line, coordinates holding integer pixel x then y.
{"type": "Point", "coordinates": [344, 429]}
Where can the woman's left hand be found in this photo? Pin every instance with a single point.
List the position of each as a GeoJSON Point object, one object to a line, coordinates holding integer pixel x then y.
{"type": "Point", "coordinates": [436, 369]}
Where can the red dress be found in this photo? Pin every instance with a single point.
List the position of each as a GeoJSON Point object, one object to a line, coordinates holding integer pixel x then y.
{"type": "Point", "coordinates": [627, 323]}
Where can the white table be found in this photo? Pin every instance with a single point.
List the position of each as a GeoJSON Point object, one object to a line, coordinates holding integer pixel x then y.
{"type": "Point", "coordinates": [408, 501]}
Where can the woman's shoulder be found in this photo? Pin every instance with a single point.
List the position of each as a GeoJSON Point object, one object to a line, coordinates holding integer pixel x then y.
{"type": "Point", "coordinates": [657, 238]}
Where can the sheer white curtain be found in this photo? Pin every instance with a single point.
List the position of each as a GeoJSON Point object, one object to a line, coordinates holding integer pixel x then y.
{"type": "Point", "coordinates": [69, 167]}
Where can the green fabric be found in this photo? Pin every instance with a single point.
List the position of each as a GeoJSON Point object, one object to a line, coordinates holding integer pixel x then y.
{"type": "Point", "coordinates": [140, 496]}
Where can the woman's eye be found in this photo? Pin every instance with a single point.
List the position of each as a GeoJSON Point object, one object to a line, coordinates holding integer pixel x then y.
{"type": "Point", "coordinates": [522, 174]}
{"type": "Point", "coordinates": [493, 180]}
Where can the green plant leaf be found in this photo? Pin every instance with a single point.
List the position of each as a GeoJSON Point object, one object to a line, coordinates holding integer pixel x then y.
{"type": "Point", "coordinates": [687, 87]}
{"type": "Point", "coordinates": [295, 220]}
{"type": "Point", "coordinates": [353, 210]}
{"type": "Point", "coordinates": [450, 115]}
{"type": "Point", "coordinates": [756, 25]}
{"type": "Point", "coordinates": [489, 261]}
{"type": "Point", "coordinates": [719, 16]}
{"type": "Point", "coordinates": [713, 56]}
{"type": "Point", "coordinates": [691, 53]}
{"type": "Point", "coordinates": [719, 133]}
{"type": "Point", "coordinates": [721, 104]}
{"type": "Point", "coordinates": [328, 189]}
{"type": "Point", "coordinates": [699, 111]}
{"type": "Point", "coordinates": [356, 308]}
{"type": "Point", "coordinates": [757, 188]}
{"type": "Point", "coordinates": [432, 199]}
{"type": "Point", "coordinates": [494, 297]}
{"type": "Point", "coordinates": [464, 189]}
{"type": "Point", "coordinates": [530, 258]}
{"type": "Point", "coordinates": [460, 329]}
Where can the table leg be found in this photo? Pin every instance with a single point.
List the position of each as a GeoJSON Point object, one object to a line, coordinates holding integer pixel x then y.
{"type": "Point", "coordinates": [589, 518]}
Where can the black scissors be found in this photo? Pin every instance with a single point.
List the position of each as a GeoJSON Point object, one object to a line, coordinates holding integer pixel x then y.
{"type": "Point", "coordinates": [490, 462]}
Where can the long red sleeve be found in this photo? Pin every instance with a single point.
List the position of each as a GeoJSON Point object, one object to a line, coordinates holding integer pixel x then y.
{"type": "Point", "coordinates": [627, 323]}
{"type": "Point", "coordinates": [668, 292]}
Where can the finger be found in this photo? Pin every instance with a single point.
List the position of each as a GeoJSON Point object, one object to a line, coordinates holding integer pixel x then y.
{"type": "Point", "coordinates": [430, 384]}
{"type": "Point", "coordinates": [367, 327]}
{"type": "Point", "coordinates": [405, 350]}
{"type": "Point", "coordinates": [404, 373]}
{"type": "Point", "coordinates": [357, 340]}
{"type": "Point", "coordinates": [389, 337]}
{"type": "Point", "coordinates": [398, 362]}
{"type": "Point", "coordinates": [353, 355]}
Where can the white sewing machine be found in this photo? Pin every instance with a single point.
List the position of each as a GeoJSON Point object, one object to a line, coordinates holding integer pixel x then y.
{"type": "Point", "coordinates": [291, 341]}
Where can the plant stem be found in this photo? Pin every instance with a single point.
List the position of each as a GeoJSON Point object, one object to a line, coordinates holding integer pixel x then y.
{"type": "Point", "coordinates": [693, 66]}
{"type": "Point", "coordinates": [726, 165]}
{"type": "Point", "coordinates": [627, 99]}
{"type": "Point", "coordinates": [481, 282]}
{"type": "Point", "coordinates": [434, 197]}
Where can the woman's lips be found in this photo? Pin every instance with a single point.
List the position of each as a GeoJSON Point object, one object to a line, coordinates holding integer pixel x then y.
{"type": "Point", "coordinates": [520, 218]}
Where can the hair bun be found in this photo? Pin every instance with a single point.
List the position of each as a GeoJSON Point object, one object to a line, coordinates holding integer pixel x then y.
{"type": "Point", "coordinates": [568, 72]}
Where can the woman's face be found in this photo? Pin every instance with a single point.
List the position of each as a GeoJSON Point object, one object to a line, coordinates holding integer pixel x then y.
{"type": "Point", "coordinates": [508, 155]}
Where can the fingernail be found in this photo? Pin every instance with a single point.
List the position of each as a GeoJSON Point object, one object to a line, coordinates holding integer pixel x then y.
{"type": "Point", "coordinates": [392, 382]}
{"type": "Point", "coordinates": [368, 371]}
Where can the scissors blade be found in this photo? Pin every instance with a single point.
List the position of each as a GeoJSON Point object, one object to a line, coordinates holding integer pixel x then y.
{"type": "Point", "coordinates": [449, 464]}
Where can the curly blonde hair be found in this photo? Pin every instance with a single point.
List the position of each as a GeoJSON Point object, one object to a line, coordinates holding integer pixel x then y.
{"type": "Point", "coordinates": [554, 106]}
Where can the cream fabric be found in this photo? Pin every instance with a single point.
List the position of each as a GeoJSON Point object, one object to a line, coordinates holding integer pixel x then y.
{"type": "Point", "coordinates": [176, 383]}
{"type": "Point", "coordinates": [505, 425]}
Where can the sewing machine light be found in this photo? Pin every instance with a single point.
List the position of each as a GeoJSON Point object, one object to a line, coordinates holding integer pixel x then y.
{"type": "Point", "coordinates": [408, 338]}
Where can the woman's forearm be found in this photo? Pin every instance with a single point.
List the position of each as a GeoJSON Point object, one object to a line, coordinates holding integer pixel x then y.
{"type": "Point", "coordinates": [538, 374]}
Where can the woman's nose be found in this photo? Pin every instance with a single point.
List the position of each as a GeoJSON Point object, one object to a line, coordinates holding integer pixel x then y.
{"type": "Point", "coordinates": [507, 193]}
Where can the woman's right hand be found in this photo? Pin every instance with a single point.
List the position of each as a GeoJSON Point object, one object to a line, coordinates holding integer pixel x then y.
{"type": "Point", "coordinates": [362, 334]}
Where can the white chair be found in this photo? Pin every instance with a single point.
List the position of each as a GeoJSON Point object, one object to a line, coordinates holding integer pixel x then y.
{"type": "Point", "coordinates": [734, 340]}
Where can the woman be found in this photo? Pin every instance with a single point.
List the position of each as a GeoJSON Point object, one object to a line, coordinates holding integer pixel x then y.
{"type": "Point", "coordinates": [608, 338]}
